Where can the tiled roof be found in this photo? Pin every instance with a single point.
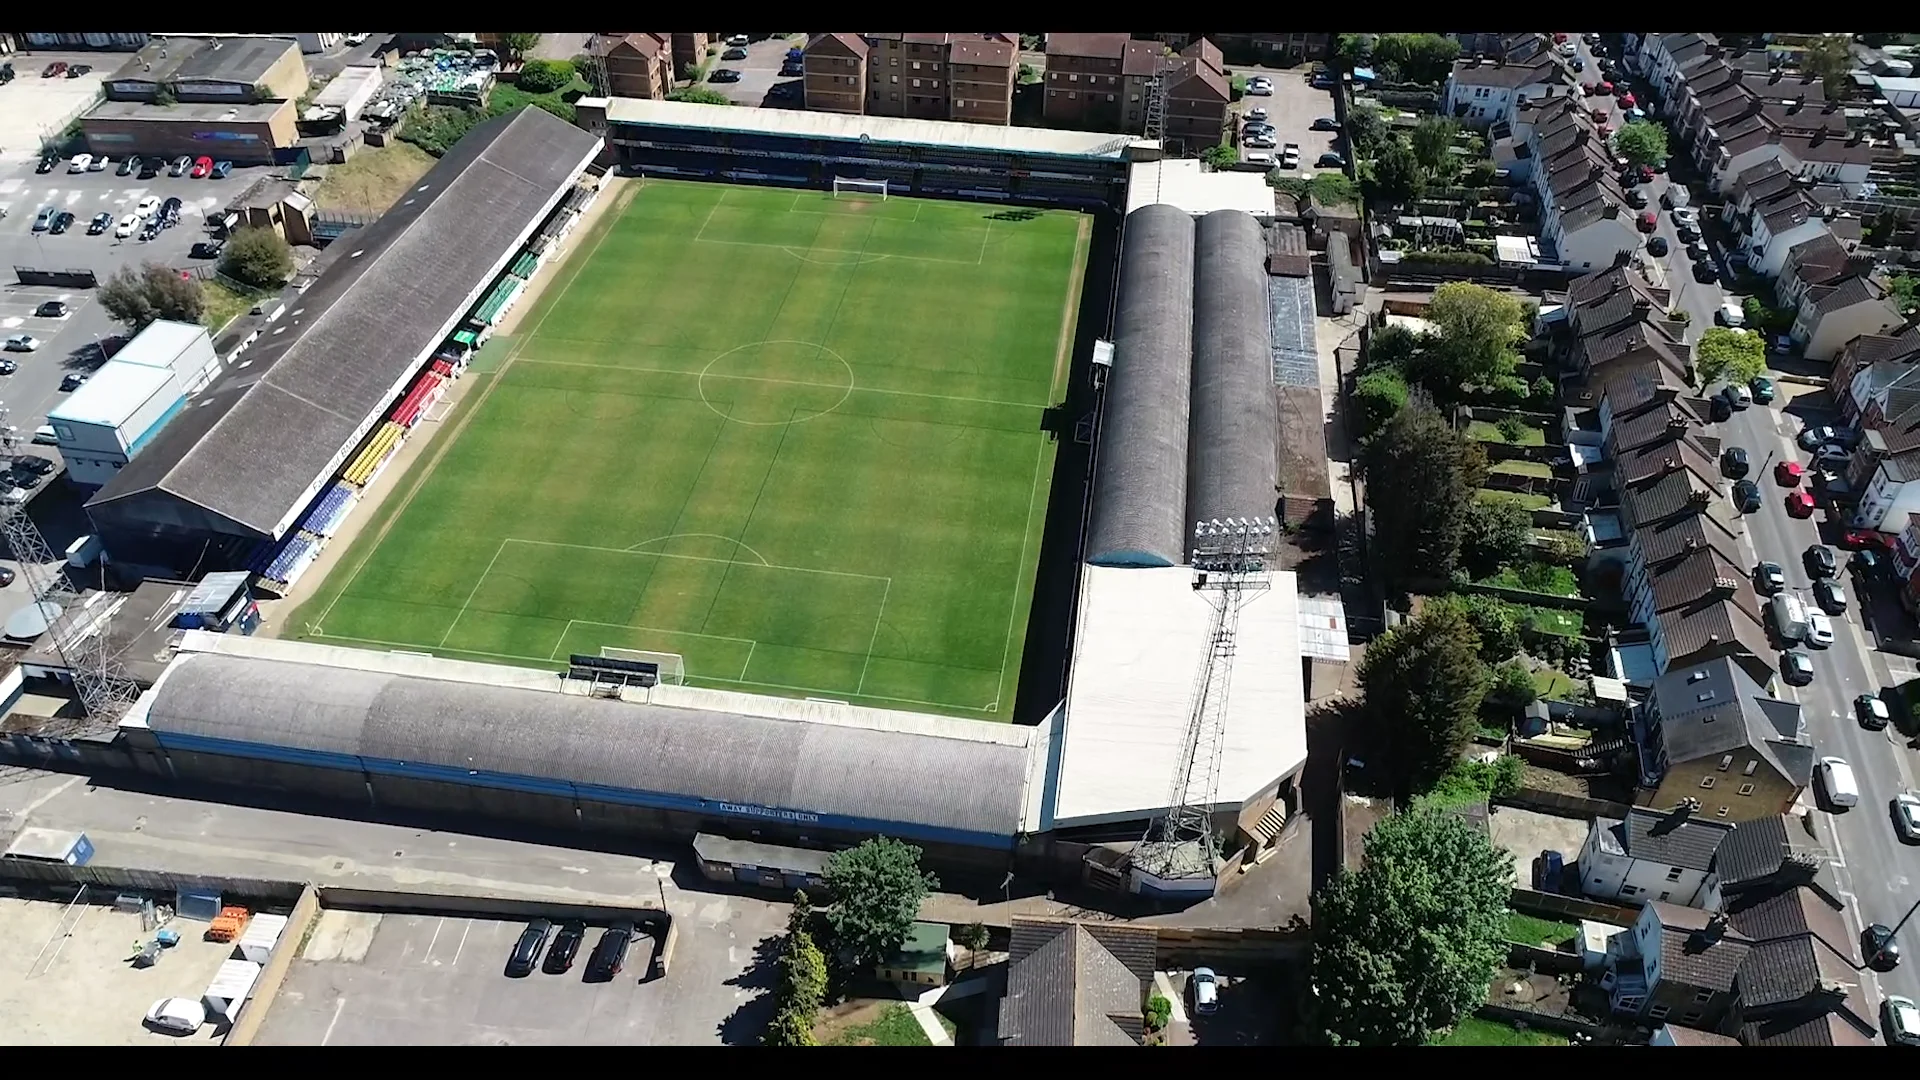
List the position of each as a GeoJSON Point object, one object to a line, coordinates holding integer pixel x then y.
{"type": "Point", "coordinates": [1633, 338]}
{"type": "Point", "coordinates": [1076, 984]}
{"type": "Point", "coordinates": [1670, 539]}
{"type": "Point", "coordinates": [1651, 459]}
{"type": "Point", "coordinates": [1096, 46]}
{"type": "Point", "coordinates": [1819, 261]}
{"type": "Point", "coordinates": [1658, 424]}
{"type": "Point", "coordinates": [1672, 838]}
{"type": "Point", "coordinates": [1696, 952]}
{"type": "Point", "coordinates": [1827, 1029]}
{"type": "Point", "coordinates": [1761, 181]}
{"type": "Point", "coordinates": [1186, 79]}
{"type": "Point", "coordinates": [1141, 58]}
{"type": "Point", "coordinates": [1903, 466]}
{"type": "Point", "coordinates": [1698, 579]}
{"type": "Point", "coordinates": [1663, 497]}
{"type": "Point", "coordinates": [1844, 294]}
{"type": "Point", "coordinates": [852, 43]}
{"type": "Point", "coordinates": [1800, 941]}
{"type": "Point", "coordinates": [1502, 74]}
{"type": "Point", "coordinates": [1600, 283]}
{"type": "Point", "coordinates": [1827, 149]}
{"type": "Point", "coordinates": [1714, 707]}
{"type": "Point", "coordinates": [1207, 53]}
{"type": "Point", "coordinates": [1686, 1036]}
{"type": "Point", "coordinates": [1789, 210]}
{"type": "Point", "coordinates": [1877, 348]}
{"type": "Point", "coordinates": [982, 52]}
{"type": "Point", "coordinates": [1757, 850]}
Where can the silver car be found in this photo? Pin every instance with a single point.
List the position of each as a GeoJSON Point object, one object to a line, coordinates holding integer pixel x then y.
{"type": "Point", "coordinates": [1903, 1021]}
{"type": "Point", "coordinates": [1906, 816]}
{"type": "Point", "coordinates": [1206, 991]}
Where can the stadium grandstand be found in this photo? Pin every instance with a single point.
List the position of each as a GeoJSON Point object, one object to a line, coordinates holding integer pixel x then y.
{"type": "Point", "coordinates": [933, 158]}
{"type": "Point", "coordinates": [261, 450]}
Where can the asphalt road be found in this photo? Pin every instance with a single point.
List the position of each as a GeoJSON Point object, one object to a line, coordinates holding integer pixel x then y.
{"type": "Point", "coordinates": [1873, 866]}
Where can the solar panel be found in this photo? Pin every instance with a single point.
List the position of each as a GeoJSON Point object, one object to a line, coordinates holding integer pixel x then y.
{"type": "Point", "coordinates": [1296, 360]}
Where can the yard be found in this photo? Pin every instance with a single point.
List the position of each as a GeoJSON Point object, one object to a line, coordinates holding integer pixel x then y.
{"type": "Point", "coordinates": [874, 1023]}
{"type": "Point", "coordinates": [1473, 1031]}
{"type": "Point", "coordinates": [1537, 577]}
{"type": "Point", "coordinates": [1557, 622]}
{"type": "Point", "coordinates": [225, 303]}
{"type": "Point", "coordinates": [1553, 683]}
{"type": "Point", "coordinates": [1525, 434]}
{"type": "Point", "coordinates": [1528, 930]}
{"type": "Point", "coordinates": [373, 179]}
{"type": "Point", "coordinates": [1537, 469]}
{"type": "Point", "coordinates": [1527, 502]}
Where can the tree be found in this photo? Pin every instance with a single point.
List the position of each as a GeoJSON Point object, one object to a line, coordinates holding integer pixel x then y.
{"type": "Point", "coordinates": [1397, 175]}
{"type": "Point", "coordinates": [135, 298]}
{"type": "Point", "coordinates": [1377, 396]}
{"type": "Point", "coordinates": [1830, 58]}
{"type": "Point", "coordinates": [1901, 288]}
{"type": "Point", "coordinates": [1406, 945]}
{"type": "Point", "coordinates": [1493, 619]}
{"type": "Point", "coordinates": [877, 890]}
{"type": "Point", "coordinates": [1220, 156]}
{"type": "Point", "coordinates": [515, 46]}
{"type": "Point", "coordinates": [1352, 50]}
{"type": "Point", "coordinates": [802, 985]}
{"type": "Point", "coordinates": [972, 936]}
{"type": "Point", "coordinates": [592, 71]}
{"type": "Point", "coordinates": [1642, 142]}
{"type": "Point", "coordinates": [1496, 533]}
{"type": "Point", "coordinates": [1422, 683]}
{"type": "Point", "coordinates": [700, 95]}
{"type": "Point", "coordinates": [1425, 465]}
{"type": "Point", "coordinates": [1735, 356]}
{"type": "Point", "coordinates": [1476, 330]}
{"type": "Point", "coordinates": [1432, 142]}
{"type": "Point", "coordinates": [1393, 348]}
{"type": "Point", "coordinates": [1513, 686]}
{"type": "Point", "coordinates": [1367, 130]}
{"type": "Point", "coordinates": [1422, 58]}
{"type": "Point", "coordinates": [545, 76]}
{"type": "Point", "coordinates": [258, 257]}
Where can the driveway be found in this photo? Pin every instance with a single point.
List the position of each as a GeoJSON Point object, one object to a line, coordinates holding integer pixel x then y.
{"type": "Point", "coordinates": [759, 73]}
{"type": "Point", "coordinates": [1292, 108]}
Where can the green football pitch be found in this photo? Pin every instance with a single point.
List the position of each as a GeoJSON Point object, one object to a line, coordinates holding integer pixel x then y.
{"type": "Point", "coordinates": [795, 439]}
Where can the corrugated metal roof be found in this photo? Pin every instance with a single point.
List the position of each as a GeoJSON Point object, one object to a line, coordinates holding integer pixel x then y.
{"type": "Point", "coordinates": [1234, 421]}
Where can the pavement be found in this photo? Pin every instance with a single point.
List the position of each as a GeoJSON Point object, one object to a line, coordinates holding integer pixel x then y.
{"type": "Point", "coordinates": [1876, 871]}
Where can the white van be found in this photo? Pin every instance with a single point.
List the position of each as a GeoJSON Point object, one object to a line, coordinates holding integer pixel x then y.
{"type": "Point", "coordinates": [1836, 778]}
{"type": "Point", "coordinates": [44, 435]}
{"type": "Point", "coordinates": [1789, 617]}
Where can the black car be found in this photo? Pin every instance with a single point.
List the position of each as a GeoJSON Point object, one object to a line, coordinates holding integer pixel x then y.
{"type": "Point", "coordinates": [1705, 272]}
{"type": "Point", "coordinates": [1870, 712]}
{"type": "Point", "coordinates": [526, 951]}
{"type": "Point", "coordinates": [74, 381]}
{"type": "Point", "coordinates": [1636, 198]}
{"type": "Point", "coordinates": [62, 221]}
{"type": "Point", "coordinates": [1687, 234]}
{"type": "Point", "coordinates": [566, 945]}
{"type": "Point", "coordinates": [1656, 246]}
{"type": "Point", "coordinates": [1734, 463]}
{"type": "Point", "coordinates": [1795, 668]}
{"type": "Point", "coordinates": [724, 75]}
{"type": "Point", "coordinates": [1769, 578]}
{"type": "Point", "coordinates": [47, 162]}
{"type": "Point", "coordinates": [52, 309]}
{"type": "Point", "coordinates": [735, 53]}
{"type": "Point", "coordinates": [1325, 123]}
{"type": "Point", "coordinates": [170, 213]}
{"type": "Point", "coordinates": [1831, 596]}
{"type": "Point", "coordinates": [128, 166]}
{"type": "Point", "coordinates": [205, 249]}
{"type": "Point", "coordinates": [6, 577]}
{"type": "Point", "coordinates": [1746, 496]}
{"type": "Point", "coordinates": [150, 167]}
{"type": "Point", "coordinates": [1820, 561]}
{"type": "Point", "coordinates": [101, 222]}
{"type": "Point", "coordinates": [1331, 160]}
{"type": "Point", "coordinates": [610, 953]}
{"type": "Point", "coordinates": [1865, 563]}
{"type": "Point", "coordinates": [37, 465]}
{"type": "Point", "coordinates": [78, 70]}
{"type": "Point", "coordinates": [1878, 946]}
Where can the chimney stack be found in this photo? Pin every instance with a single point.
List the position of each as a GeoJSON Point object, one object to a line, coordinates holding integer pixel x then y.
{"type": "Point", "coordinates": [1699, 499]}
{"type": "Point", "coordinates": [1830, 108]}
{"type": "Point", "coordinates": [1642, 305]}
{"type": "Point", "coordinates": [1595, 171]}
{"type": "Point", "coordinates": [1676, 425]}
{"type": "Point", "coordinates": [1738, 74]}
{"type": "Point", "coordinates": [1855, 138]}
{"type": "Point", "coordinates": [1796, 105]}
{"type": "Point", "coordinates": [1775, 76]}
{"type": "Point", "coordinates": [1725, 588]}
{"type": "Point", "coordinates": [1819, 136]}
{"type": "Point", "coordinates": [1609, 208]}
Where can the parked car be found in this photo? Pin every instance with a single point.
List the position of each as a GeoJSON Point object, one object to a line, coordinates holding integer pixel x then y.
{"type": "Point", "coordinates": [148, 205]}
{"type": "Point", "coordinates": [1687, 234]}
{"type": "Point", "coordinates": [79, 163]}
{"type": "Point", "coordinates": [1705, 272]}
{"type": "Point", "coordinates": [1260, 86]}
{"type": "Point", "coordinates": [170, 212]}
{"type": "Point", "coordinates": [224, 169]}
{"type": "Point", "coordinates": [1206, 991]}
{"type": "Point", "coordinates": [201, 167]}
{"type": "Point", "coordinates": [99, 163]}
{"type": "Point", "coordinates": [54, 70]}
{"type": "Point", "coordinates": [1819, 630]}
{"type": "Point", "coordinates": [1799, 504]}
{"type": "Point", "coordinates": [1730, 313]}
{"type": "Point", "coordinates": [128, 226]}
{"type": "Point", "coordinates": [1763, 391]}
{"type": "Point", "coordinates": [1261, 142]}
{"type": "Point", "coordinates": [1906, 805]}
{"type": "Point", "coordinates": [1675, 196]}
{"type": "Point", "coordinates": [1865, 563]}
{"type": "Point", "coordinates": [6, 577]}
{"type": "Point", "coordinates": [180, 166]}
{"type": "Point", "coordinates": [1769, 578]}
{"type": "Point", "coordinates": [1830, 595]}
{"type": "Point", "coordinates": [32, 464]}
{"type": "Point", "coordinates": [1873, 715]}
{"type": "Point", "coordinates": [1685, 215]}
{"type": "Point", "coordinates": [52, 309]}
{"type": "Point", "coordinates": [7, 366]}
{"type": "Point", "coordinates": [128, 165]}
{"type": "Point", "coordinates": [527, 949]}
{"type": "Point", "coordinates": [22, 343]}
{"type": "Point", "coordinates": [735, 53]}
{"type": "Point", "coordinates": [356, 40]}
{"type": "Point", "coordinates": [566, 945]}
{"type": "Point", "coordinates": [1878, 946]}
{"type": "Point", "coordinates": [1901, 1018]}
{"type": "Point", "coordinates": [151, 167]}
{"type": "Point", "coordinates": [1812, 438]}
{"type": "Point", "coordinates": [1788, 473]}
{"type": "Point", "coordinates": [1636, 198]}
{"type": "Point", "coordinates": [1746, 496]}
{"type": "Point", "coordinates": [1796, 669]}
{"type": "Point", "coordinates": [43, 220]}
{"type": "Point", "coordinates": [205, 249]}
{"type": "Point", "coordinates": [610, 952]}
{"type": "Point", "coordinates": [1323, 123]}
{"type": "Point", "coordinates": [1648, 221]}
{"type": "Point", "coordinates": [1734, 463]}
{"type": "Point", "coordinates": [74, 381]}
{"type": "Point", "coordinates": [1861, 539]}
{"type": "Point", "coordinates": [1331, 160]}
{"type": "Point", "coordinates": [1657, 246]}
{"type": "Point", "coordinates": [78, 70]}
{"type": "Point", "coordinates": [62, 221]}
{"type": "Point", "coordinates": [724, 75]}
{"type": "Point", "coordinates": [47, 162]}
{"type": "Point", "coordinates": [737, 40]}
{"type": "Point", "coordinates": [1820, 561]}
{"type": "Point", "coordinates": [180, 1016]}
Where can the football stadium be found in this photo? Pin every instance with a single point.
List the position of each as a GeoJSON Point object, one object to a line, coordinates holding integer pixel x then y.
{"type": "Point", "coordinates": [771, 475]}
{"type": "Point", "coordinates": [791, 441]}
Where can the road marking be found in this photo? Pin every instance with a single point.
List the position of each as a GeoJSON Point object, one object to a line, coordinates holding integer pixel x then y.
{"type": "Point", "coordinates": [463, 943]}
{"type": "Point", "coordinates": [435, 939]}
{"type": "Point", "coordinates": [338, 1007]}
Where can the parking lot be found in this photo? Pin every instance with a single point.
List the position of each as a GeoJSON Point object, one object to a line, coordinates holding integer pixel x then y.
{"type": "Point", "coordinates": [366, 979]}
{"type": "Point", "coordinates": [1292, 108]}
{"type": "Point", "coordinates": [759, 73]}
{"type": "Point", "coordinates": [66, 978]}
{"type": "Point", "coordinates": [32, 107]}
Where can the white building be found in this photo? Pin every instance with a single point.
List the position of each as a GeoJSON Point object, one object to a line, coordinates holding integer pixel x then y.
{"type": "Point", "coordinates": [1651, 855]}
{"type": "Point", "coordinates": [1481, 93]}
{"type": "Point", "coordinates": [130, 399]}
{"type": "Point", "coordinates": [1892, 493]}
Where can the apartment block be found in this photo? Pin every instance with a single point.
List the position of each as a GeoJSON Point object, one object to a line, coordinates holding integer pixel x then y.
{"type": "Point", "coordinates": [636, 65]}
{"type": "Point", "coordinates": [964, 77]}
{"type": "Point", "coordinates": [1101, 81]}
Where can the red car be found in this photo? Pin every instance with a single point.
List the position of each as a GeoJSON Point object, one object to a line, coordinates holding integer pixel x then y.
{"type": "Point", "coordinates": [1559, 39]}
{"type": "Point", "coordinates": [1856, 539]}
{"type": "Point", "coordinates": [1628, 101]}
{"type": "Point", "coordinates": [54, 69]}
{"type": "Point", "coordinates": [1606, 88]}
{"type": "Point", "coordinates": [1799, 504]}
{"type": "Point", "coordinates": [201, 167]}
{"type": "Point", "coordinates": [1649, 221]}
{"type": "Point", "coordinates": [1599, 116]}
{"type": "Point", "coordinates": [1788, 473]}
{"type": "Point", "coordinates": [1646, 174]}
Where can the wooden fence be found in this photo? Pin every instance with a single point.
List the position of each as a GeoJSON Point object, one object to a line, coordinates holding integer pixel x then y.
{"type": "Point", "coordinates": [1559, 805]}
{"type": "Point", "coordinates": [1555, 906]}
{"type": "Point", "coordinates": [1525, 956]}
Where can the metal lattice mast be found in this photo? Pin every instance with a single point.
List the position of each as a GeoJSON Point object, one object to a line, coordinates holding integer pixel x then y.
{"type": "Point", "coordinates": [104, 689]}
{"type": "Point", "coordinates": [1156, 108]}
{"type": "Point", "coordinates": [1231, 561]}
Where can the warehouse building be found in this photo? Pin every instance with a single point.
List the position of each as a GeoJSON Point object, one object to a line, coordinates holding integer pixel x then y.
{"type": "Point", "coordinates": [239, 468]}
{"type": "Point", "coordinates": [130, 399]}
{"type": "Point", "coordinates": [241, 132]}
{"type": "Point", "coordinates": [218, 70]}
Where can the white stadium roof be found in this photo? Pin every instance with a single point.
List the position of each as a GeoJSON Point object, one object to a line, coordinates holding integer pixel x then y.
{"type": "Point", "coordinates": [1142, 638]}
{"type": "Point", "coordinates": [1180, 182]}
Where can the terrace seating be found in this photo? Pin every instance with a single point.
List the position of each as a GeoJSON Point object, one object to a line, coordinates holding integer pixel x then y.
{"type": "Point", "coordinates": [295, 555]}
{"type": "Point", "coordinates": [327, 513]}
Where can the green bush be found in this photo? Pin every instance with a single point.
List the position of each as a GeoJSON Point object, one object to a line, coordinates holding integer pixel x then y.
{"type": "Point", "coordinates": [1542, 389]}
{"type": "Point", "coordinates": [1159, 1012]}
{"type": "Point", "coordinates": [1450, 258]}
{"type": "Point", "coordinates": [1512, 428]}
{"type": "Point", "coordinates": [545, 76]}
{"type": "Point", "coordinates": [700, 95]}
{"type": "Point", "coordinates": [1377, 396]}
{"type": "Point", "coordinates": [1220, 157]}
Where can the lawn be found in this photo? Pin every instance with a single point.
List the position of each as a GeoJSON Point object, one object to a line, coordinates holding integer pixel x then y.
{"type": "Point", "coordinates": [1554, 621]}
{"type": "Point", "coordinates": [1489, 432]}
{"type": "Point", "coordinates": [1473, 1031]}
{"type": "Point", "coordinates": [373, 179]}
{"type": "Point", "coordinates": [794, 439]}
{"type": "Point", "coordinates": [225, 303]}
{"type": "Point", "coordinates": [1538, 469]}
{"type": "Point", "coordinates": [1530, 502]}
{"type": "Point", "coordinates": [1553, 683]}
{"type": "Point", "coordinates": [1528, 930]}
{"type": "Point", "coordinates": [1537, 577]}
{"type": "Point", "coordinates": [895, 1026]}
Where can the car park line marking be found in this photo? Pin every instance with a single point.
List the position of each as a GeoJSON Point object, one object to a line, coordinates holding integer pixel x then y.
{"type": "Point", "coordinates": [435, 940]}
{"type": "Point", "coordinates": [463, 943]}
{"type": "Point", "coordinates": [338, 1007]}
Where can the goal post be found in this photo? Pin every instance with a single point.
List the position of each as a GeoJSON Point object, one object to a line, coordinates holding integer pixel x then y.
{"type": "Point", "coordinates": [844, 185]}
{"type": "Point", "coordinates": [673, 666]}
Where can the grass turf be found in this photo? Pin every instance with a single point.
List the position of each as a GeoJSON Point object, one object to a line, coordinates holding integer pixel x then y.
{"type": "Point", "coordinates": [795, 439]}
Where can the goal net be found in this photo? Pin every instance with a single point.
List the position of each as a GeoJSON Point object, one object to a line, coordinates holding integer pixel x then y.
{"type": "Point", "coordinates": [846, 186]}
{"type": "Point", "coordinates": [673, 666]}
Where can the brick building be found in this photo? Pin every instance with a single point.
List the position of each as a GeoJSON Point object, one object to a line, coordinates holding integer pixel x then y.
{"type": "Point", "coordinates": [1101, 81]}
{"type": "Point", "coordinates": [965, 77]}
{"type": "Point", "coordinates": [637, 65]}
